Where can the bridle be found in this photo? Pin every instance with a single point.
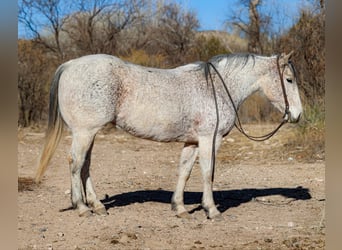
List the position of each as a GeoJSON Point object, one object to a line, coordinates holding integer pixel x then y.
{"type": "Point", "coordinates": [281, 75]}
{"type": "Point", "coordinates": [237, 123]}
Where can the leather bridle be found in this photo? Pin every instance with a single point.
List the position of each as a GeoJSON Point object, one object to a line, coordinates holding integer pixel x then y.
{"type": "Point", "coordinates": [238, 123]}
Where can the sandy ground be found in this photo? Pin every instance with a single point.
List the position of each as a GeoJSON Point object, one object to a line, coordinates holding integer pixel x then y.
{"type": "Point", "coordinates": [269, 198]}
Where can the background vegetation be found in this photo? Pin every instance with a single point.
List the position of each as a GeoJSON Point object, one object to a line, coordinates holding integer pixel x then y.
{"type": "Point", "coordinates": [163, 34]}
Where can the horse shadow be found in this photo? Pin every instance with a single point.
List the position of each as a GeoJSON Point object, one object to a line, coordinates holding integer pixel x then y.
{"type": "Point", "coordinates": [224, 199]}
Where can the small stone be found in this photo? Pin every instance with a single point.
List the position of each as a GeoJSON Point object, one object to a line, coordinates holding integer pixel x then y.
{"type": "Point", "coordinates": [290, 224]}
{"type": "Point", "coordinates": [60, 234]}
{"type": "Point", "coordinates": [43, 229]}
{"type": "Point", "coordinates": [67, 191]}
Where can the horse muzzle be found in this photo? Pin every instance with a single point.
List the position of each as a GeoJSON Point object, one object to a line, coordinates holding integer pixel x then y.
{"type": "Point", "coordinates": [293, 117]}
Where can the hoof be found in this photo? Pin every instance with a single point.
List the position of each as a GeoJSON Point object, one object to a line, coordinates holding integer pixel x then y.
{"type": "Point", "coordinates": [85, 213]}
{"type": "Point", "coordinates": [180, 210]}
{"type": "Point", "coordinates": [100, 210]}
{"type": "Point", "coordinates": [217, 217]}
{"type": "Point", "coordinates": [212, 212]}
{"type": "Point", "coordinates": [184, 215]}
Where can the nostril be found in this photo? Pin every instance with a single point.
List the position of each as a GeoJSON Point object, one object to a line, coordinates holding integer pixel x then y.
{"type": "Point", "coordinates": [298, 118]}
{"type": "Point", "coordinates": [293, 118]}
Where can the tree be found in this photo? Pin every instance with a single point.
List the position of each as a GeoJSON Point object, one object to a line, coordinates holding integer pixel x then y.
{"type": "Point", "coordinates": [307, 39]}
{"type": "Point", "coordinates": [41, 16]}
{"type": "Point", "coordinates": [123, 18]}
{"type": "Point", "coordinates": [254, 25]}
{"type": "Point", "coordinates": [173, 33]}
{"type": "Point", "coordinates": [208, 46]}
{"type": "Point", "coordinates": [34, 72]}
{"type": "Point", "coordinates": [69, 29]}
{"type": "Point", "coordinates": [81, 25]}
{"type": "Point", "coordinates": [150, 32]}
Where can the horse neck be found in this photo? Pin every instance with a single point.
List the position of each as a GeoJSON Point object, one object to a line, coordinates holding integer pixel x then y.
{"type": "Point", "coordinates": [243, 82]}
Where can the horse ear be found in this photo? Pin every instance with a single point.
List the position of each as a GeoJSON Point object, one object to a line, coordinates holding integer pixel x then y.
{"type": "Point", "coordinates": [289, 55]}
{"type": "Point", "coordinates": [284, 59]}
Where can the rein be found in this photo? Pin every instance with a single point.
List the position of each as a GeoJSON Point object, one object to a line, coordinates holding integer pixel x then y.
{"type": "Point", "coordinates": [238, 125]}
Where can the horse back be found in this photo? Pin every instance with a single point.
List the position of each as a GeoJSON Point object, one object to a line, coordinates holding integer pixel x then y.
{"type": "Point", "coordinates": [163, 105]}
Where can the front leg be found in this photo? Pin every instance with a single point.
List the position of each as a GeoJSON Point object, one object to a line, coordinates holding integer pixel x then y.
{"type": "Point", "coordinates": [205, 154]}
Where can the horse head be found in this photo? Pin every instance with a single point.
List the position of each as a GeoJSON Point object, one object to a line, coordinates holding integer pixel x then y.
{"type": "Point", "coordinates": [280, 87]}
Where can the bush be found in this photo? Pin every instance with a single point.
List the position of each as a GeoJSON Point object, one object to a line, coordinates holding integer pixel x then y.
{"type": "Point", "coordinates": [207, 47]}
{"type": "Point", "coordinates": [258, 109]}
{"type": "Point", "coordinates": [309, 136]}
{"type": "Point", "coordinates": [35, 69]}
{"type": "Point", "coordinates": [141, 57]}
{"type": "Point", "coordinates": [307, 39]}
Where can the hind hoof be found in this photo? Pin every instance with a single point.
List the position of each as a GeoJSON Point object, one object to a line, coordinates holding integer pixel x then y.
{"type": "Point", "coordinates": [100, 211]}
{"type": "Point", "coordinates": [85, 213]}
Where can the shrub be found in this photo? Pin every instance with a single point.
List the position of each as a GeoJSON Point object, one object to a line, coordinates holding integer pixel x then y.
{"type": "Point", "coordinates": [35, 69]}
{"type": "Point", "coordinates": [141, 57]}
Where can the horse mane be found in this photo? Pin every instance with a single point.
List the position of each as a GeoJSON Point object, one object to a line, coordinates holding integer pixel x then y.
{"type": "Point", "coordinates": [239, 60]}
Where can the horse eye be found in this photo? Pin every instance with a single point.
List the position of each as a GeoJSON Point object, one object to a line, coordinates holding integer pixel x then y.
{"type": "Point", "coordinates": [289, 80]}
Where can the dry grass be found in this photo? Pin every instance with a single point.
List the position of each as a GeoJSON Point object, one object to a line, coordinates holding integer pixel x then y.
{"type": "Point", "coordinates": [258, 109]}
{"type": "Point", "coordinates": [141, 57]}
{"type": "Point", "coordinates": [232, 42]}
{"type": "Point", "coordinates": [310, 134]}
{"type": "Point", "coordinates": [303, 142]}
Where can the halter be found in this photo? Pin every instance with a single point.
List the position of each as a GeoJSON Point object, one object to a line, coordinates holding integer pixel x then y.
{"type": "Point", "coordinates": [238, 124]}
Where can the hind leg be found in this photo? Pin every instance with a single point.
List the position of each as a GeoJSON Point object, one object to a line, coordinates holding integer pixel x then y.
{"type": "Point", "coordinates": [90, 195]}
{"type": "Point", "coordinates": [187, 159]}
{"type": "Point", "coordinates": [80, 150]}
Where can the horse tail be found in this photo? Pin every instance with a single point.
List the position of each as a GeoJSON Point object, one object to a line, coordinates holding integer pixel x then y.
{"type": "Point", "coordinates": [54, 129]}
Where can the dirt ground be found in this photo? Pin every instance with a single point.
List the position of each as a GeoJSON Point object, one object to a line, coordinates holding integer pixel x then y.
{"type": "Point", "coordinates": [269, 198]}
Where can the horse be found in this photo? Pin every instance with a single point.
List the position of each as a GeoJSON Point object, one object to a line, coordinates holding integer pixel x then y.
{"type": "Point", "coordinates": [165, 105]}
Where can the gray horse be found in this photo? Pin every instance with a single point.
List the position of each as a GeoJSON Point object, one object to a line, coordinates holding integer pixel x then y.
{"type": "Point", "coordinates": [162, 105]}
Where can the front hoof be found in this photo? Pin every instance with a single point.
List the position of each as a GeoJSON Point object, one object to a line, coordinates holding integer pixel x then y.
{"type": "Point", "coordinates": [212, 213]}
{"type": "Point", "coordinates": [180, 210]}
{"type": "Point", "coordinates": [100, 210]}
{"type": "Point", "coordinates": [183, 215]}
{"type": "Point", "coordinates": [217, 217]}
